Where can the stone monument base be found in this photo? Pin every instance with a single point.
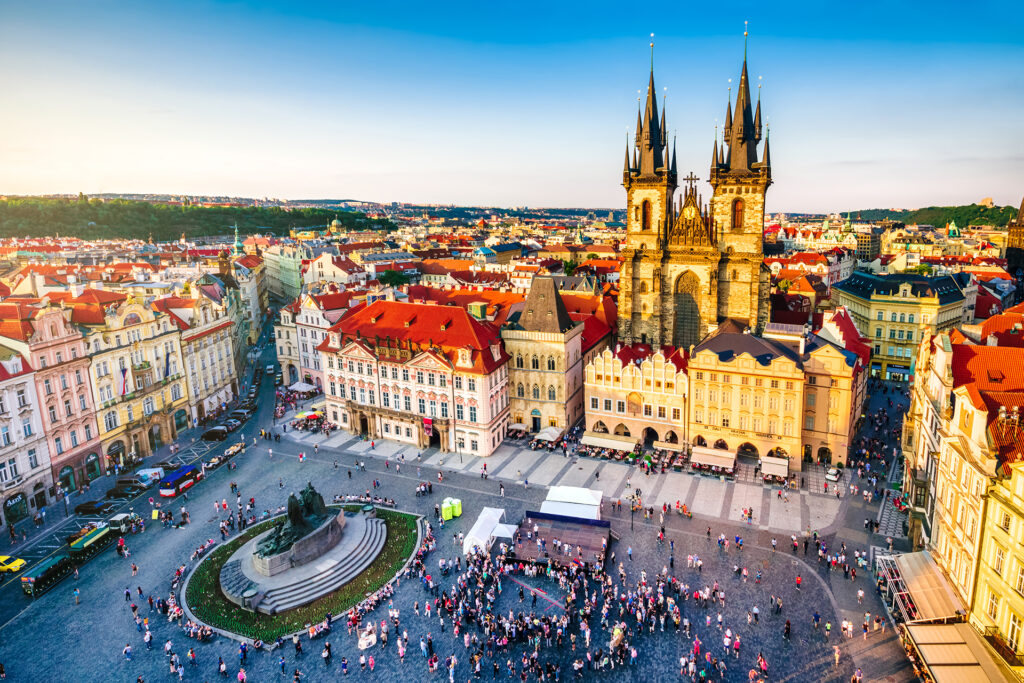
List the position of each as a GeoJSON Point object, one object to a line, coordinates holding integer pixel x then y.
{"type": "Point", "coordinates": [304, 550]}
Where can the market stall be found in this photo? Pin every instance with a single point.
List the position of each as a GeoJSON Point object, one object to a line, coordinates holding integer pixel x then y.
{"type": "Point", "coordinates": [775, 470]}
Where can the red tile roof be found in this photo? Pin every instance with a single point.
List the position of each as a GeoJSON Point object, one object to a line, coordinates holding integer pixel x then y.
{"type": "Point", "coordinates": [638, 353]}
{"type": "Point", "coordinates": [421, 325]}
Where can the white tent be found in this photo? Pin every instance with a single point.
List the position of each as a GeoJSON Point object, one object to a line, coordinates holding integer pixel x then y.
{"type": "Point", "coordinates": [573, 501]}
{"type": "Point", "coordinates": [482, 534]}
{"type": "Point", "coordinates": [549, 434]}
{"type": "Point", "coordinates": [302, 386]}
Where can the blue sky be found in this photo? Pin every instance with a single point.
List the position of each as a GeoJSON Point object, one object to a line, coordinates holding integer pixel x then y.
{"type": "Point", "coordinates": [871, 104]}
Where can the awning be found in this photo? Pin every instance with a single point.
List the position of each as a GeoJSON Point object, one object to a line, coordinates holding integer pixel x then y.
{"type": "Point", "coordinates": [956, 653]}
{"type": "Point", "coordinates": [575, 494]}
{"type": "Point", "coordinates": [549, 434]}
{"type": "Point", "coordinates": [613, 441]}
{"type": "Point", "coordinates": [302, 386]}
{"type": "Point", "coordinates": [931, 595]}
{"type": "Point", "coordinates": [665, 445]}
{"type": "Point", "coordinates": [713, 457]}
{"type": "Point", "coordinates": [778, 467]}
{"type": "Point", "coordinates": [518, 425]}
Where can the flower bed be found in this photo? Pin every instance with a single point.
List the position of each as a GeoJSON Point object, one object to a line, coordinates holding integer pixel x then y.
{"type": "Point", "coordinates": [209, 605]}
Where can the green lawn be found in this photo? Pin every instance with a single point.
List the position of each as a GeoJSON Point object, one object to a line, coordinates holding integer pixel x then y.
{"type": "Point", "coordinates": [208, 603]}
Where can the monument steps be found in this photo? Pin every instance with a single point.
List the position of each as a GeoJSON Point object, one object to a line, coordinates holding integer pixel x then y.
{"type": "Point", "coordinates": [295, 595]}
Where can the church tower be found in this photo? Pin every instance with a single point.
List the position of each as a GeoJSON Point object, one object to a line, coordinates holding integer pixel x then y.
{"type": "Point", "coordinates": [650, 182]}
{"type": "Point", "coordinates": [740, 182]}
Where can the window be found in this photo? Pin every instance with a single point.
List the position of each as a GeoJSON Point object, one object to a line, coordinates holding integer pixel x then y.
{"type": "Point", "coordinates": [910, 318]}
{"type": "Point", "coordinates": [473, 445]}
{"type": "Point", "coordinates": [472, 414]}
{"type": "Point", "coordinates": [33, 459]}
{"type": "Point", "coordinates": [608, 405]}
{"type": "Point", "coordinates": [362, 396]}
{"type": "Point", "coordinates": [405, 374]}
{"type": "Point", "coordinates": [992, 609]}
{"type": "Point", "coordinates": [88, 432]}
{"type": "Point", "coordinates": [698, 415]}
{"type": "Point", "coordinates": [535, 363]}
{"type": "Point", "coordinates": [737, 214]}
{"type": "Point", "coordinates": [471, 384]}
{"type": "Point", "coordinates": [458, 382]}
{"type": "Point", "coordinates": [385, 400]}
{"type": "Point", "coordinates": [675, 413]}
{"type": "Point", "coordinates": [725, 420]}
{"type": "Point", "coordinates": [459, 411]}
{"type": "Point", "coordinates": [811, 400]}
{"type": "Point", "coordinates": [175, 391]}
{"type": "Point", "coordinates": [998, 561]}
{"type": "Point", "coordinates": [700, 375]}
{"type": "Point", "coordinates": [551, 363]}
{"type": "Point", "coordinates": [774, 384]}
{"type": "Point", "coordinates": [419, 377]}
{"type": "Point", "coordinates": [661, 412]}
{"type": "Point", "coordinates": [22, 401]}
{"type": "Point", "coordinates": [519, 361]}
{"type": "Point", "coordinates": [1019, 583]}
{"type": "Point", "coordinates": [53, 413]}
{"type": "Point", "coordinates": [58, 445]}
{"type": "Point", "coordinates": [536, 392]}
{"type": "Point", "coordinates": [147, 406]}
{"type": "Point", "coordinates": [551, 393]}
{"type": "Point", "coordinates": [1012, 634]}
{"type": "Point", "coordinates": [74, 438]}
{"type": "Point", "coordinates": [26, 426]}
{"type": "Point", "coordinates": [910, 335]}
{"type": "Point", "coordinates": [63, 382]}
{"type": "Point", "coordinates": [808, 422]}
{"type": "Point", "coordinates": [593, 399]}
{"type": "Point", "coordinates": [67, 408]}
{"type": "Point", "coordinates": [444, 410]}
{"type": "Point", "coordinates": [421, 404]}
{"type": "Point", "coordinates": [109, 421]}
{"type": "Point", "coordinates": [47, 388]}
{"type": "Point", "coordinates": [620, 406]}
{"type": "Point", "coordinates": [880, 315]}
{"type": "Point", "coordinates": [407, 404]}
{"type": "Point", "coordinates": [647, 411]}
{"type": "Point", "coordinates": [878, 332]}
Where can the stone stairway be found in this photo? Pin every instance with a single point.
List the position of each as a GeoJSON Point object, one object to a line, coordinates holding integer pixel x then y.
{"type": "Point", "coordinates": [296, 594]}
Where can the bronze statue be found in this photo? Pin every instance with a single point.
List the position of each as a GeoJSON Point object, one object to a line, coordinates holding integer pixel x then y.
{"type": "Point", "coordinates": [306, 512]}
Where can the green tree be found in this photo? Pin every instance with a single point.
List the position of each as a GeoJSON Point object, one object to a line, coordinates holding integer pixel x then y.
{"type": "Point", "coordinates": [591, 256]}
{"type": "Point", "coordinates": [393, 278]}
{"type": "Point", "coordinates": [569, 266]}
{"type": "Point", "coordinates": [783, 285]}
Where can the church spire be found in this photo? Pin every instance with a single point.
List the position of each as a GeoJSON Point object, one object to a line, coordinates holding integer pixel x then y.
{"type": "Point", "coordinates": [742, 125]}
{"type": "Point", "coordinates": [652, 146]}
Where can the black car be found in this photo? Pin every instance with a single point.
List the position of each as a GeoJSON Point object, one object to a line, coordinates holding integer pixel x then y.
{"type": "Point", "coordinates": [248, 405]}
{"type": "Point", "coordinates": [215, 434]}
{"type": "Point", "coordinates": [124, 492]}
{"type": "Point", "coordinates": [95, 507]}
{"type": "Point", "coordinates": [231, 424]}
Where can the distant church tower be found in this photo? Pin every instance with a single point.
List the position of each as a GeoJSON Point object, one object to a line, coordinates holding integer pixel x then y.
{"type": "Point", "coordinates": [687, 266]}
{"type": "Point", "coordinates": [740, 183]}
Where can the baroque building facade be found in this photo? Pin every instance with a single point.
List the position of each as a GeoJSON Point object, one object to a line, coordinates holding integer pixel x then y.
{"type": "Point", "coordinates": [688, 266]}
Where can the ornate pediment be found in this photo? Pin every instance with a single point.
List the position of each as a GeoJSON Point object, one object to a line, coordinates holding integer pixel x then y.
{"type": "Point", "coordinates": [692, 226]}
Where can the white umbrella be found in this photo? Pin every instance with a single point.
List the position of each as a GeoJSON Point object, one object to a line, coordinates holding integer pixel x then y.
{"type": "Point", "coordinates": [302, 386]}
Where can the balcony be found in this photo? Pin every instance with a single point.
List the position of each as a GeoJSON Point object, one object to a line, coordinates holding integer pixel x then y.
{"type": "Point", "coordinates": [139, 367]}
{"type": "Point", "coordinates": [999, 644]}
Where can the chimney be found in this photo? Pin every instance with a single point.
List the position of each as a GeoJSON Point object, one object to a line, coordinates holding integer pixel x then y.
{"type": "Point", "coordinates": [803, 345]}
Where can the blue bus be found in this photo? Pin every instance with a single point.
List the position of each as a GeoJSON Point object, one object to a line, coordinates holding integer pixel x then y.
{"type": "Point", "coordinates": [180, 480]}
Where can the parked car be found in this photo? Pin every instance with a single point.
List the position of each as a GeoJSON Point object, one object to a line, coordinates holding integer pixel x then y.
{"type": "Point", "coordinates": [167, 466]}
{"type": "Point", "coordinates": [270, 368]}
{"type": "Point", "coordinates": [127, 491]}
{"type": "Point", "coordinates": [231, 424]}
{"type": "Point", "coordinates": [215, 434]}
{"type": "Point", "coordinates": [834, 474]}
{"type": "Point", "coordinates": [241, 414]}
{"type": "Point", "coordinates": [234, 449]}
{"type": "Point", "coordinates": [248, 405]}
{"type": "Point", "coordinates": [95, 507]}
{"type": "Point", "coordinates": [11, 564]}
{"type": "Point", "coordinates": [215, 462]}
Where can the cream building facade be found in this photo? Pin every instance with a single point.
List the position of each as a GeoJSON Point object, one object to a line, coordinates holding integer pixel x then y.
{"type": "Point", "coordinates": [546, 370]}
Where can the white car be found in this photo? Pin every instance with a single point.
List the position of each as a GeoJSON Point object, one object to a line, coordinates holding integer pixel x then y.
{"type": "Point", "coordinates": [834, 474]}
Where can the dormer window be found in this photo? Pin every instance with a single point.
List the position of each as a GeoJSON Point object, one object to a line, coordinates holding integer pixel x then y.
{"type": "Point", "coordinates": [465, 357]}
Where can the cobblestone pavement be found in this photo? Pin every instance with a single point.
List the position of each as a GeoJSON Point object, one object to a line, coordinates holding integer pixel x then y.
{"type": "Point", "coordinates": [84, 642]}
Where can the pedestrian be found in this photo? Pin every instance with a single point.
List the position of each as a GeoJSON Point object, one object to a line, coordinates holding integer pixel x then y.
{"type": "Point", "coordinates": [76, 593]}
{"type": "Point", "coordinates": [127, 652]}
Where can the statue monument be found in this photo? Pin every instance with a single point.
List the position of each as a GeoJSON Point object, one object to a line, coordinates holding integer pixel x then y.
{"type": "Point", "coordinates": [305, 513]}
{"type": "Point", "coordinates": [307, 532]}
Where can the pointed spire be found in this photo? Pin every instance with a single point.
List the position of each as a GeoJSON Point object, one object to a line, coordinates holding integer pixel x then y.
{"type": "Point", "coordinates": [652, 145]}
{"type": "Point", "coordinates": [766, 157]}
{"type": "Point", "coordinates": [757, 116]}
{"type": "Point", "coordinates": [675, 156]}
{"type": "Point", "coordinates": [714, 154]}
{"type": "Point", "coordinates": [625, 165]}
{"type": "Point", "coordinates": [726, 129]}
{"type": "Point", "coordinates": [742, 129]}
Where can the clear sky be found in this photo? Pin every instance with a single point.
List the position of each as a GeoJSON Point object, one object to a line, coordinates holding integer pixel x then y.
{"type": "Point", "coordinates": [870, 104]}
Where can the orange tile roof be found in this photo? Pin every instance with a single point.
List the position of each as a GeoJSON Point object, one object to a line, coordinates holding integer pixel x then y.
{"type": "Point", "coordinates": [421, 325]}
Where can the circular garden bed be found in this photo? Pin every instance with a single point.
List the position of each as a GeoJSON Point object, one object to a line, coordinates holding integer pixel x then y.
{"type": "Point", "coordinates": [209, 605]}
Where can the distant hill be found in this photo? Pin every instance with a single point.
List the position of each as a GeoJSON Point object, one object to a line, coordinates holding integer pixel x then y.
{"type": "Point", "coordinates": [121, 218]}
{"type": "Point", "coordinates": [972, 214]}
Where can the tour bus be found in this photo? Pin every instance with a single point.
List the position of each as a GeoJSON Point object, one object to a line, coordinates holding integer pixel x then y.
{"type": "Point", "coordinates": [46, 575]}
{"type": "Point", "coordinates": [180, 480]}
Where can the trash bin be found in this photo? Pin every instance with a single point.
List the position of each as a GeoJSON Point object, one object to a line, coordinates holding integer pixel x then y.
{"type": "Point", "coordinates": [456, 507]}
{"type": "Point", "coordinates": [446, 509]}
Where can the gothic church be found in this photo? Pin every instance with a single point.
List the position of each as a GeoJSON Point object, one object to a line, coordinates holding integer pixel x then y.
{"type": "Point", "coordinates": [691, 268]}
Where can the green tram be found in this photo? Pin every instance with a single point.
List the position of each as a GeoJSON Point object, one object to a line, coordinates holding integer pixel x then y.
{"type": "Point", "coordinates": [86, 547]}
{"type": "Point", "coordinates": [46, 575]}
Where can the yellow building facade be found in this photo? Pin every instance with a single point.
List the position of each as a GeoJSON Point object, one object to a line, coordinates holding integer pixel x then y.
{"type": "Point", "coordinates": [140, 394]}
